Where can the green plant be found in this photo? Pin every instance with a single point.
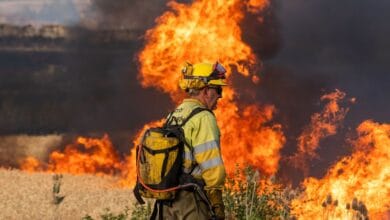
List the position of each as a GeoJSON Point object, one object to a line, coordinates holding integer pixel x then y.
{"type": "Point", "coordinates": [108, 215]}
{"type": "Point", "coordinates": [87, 217]}
{"type": "Point", "coordinates": [141, 212]}
{"type": "Point", "coordinates": [57, 198]}
{"type": "Point", "coordinates": [249, 196]}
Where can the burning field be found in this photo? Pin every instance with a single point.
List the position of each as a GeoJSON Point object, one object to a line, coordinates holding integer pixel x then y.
{"type": "Point", "coordinates": [355, 185]}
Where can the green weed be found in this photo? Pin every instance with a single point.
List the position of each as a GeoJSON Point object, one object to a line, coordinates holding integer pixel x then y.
{"type": "Point", "coordinates": [108, 215]}
{"type": "Point", "coordinates": [247, 195]}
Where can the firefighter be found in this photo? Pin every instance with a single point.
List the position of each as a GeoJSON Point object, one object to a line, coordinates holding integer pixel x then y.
{"type": "Point", "coordinates": [203, 84]}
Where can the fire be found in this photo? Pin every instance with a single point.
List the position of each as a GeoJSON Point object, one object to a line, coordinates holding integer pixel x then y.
{"type": "Point", "coordinates": [87, 155]}
{"type": "Point", "coordinates": [31, 164]}
{"type": "Point", "coordinates": [207, 31]}
{"type": "Point", "coordinates": [258, 145]}
{"type": "Point", "coordinates": [93, 156]}
{"type": "Point", "coordinates": [200, 32]}
{"type": "Point", "coordinates": [322, 125]}
{"type": "Point", "coordinates": [354, 186]}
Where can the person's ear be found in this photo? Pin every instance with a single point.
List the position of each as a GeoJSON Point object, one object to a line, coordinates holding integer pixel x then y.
{"type": "Point", "coordinates": [205, 91]}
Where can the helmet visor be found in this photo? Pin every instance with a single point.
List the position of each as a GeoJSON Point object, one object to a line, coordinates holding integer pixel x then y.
{"type": "Point", "coordinates": [218, 72]}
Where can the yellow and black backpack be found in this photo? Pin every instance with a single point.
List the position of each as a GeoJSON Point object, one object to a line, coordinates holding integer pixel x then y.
{"type": "Point", "coordinates": [159, 160]}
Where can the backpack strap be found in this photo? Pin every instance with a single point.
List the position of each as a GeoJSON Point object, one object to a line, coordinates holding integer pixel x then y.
{"type": "Point", "coordinates": [193, 113]}
{"type": "Point", "coordinates": [137, 193]}
{"type": "Point", "coordinates": [171, 118]}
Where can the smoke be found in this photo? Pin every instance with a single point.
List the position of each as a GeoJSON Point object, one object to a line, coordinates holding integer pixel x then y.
{"type": "Point", "coordinates": [335, 33]}
{"type": "Point", "coordinates": [344, 43]}
{"type": "Point", "coordinates": [14, 148]}
{"type": "Point", "coordinates": [88, 89]}
{"type": "Point", "coordinates": [336, 44]}
{"type": "Point", "coordinates": [91, 85]}
{"type": "Point", "coordinates": [261, 30]}
{"type": "Point", "coordinates": [124, 14]}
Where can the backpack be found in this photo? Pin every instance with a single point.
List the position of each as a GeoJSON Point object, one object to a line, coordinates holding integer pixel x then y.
{"type": "Point", "coordinates": [159, 160]}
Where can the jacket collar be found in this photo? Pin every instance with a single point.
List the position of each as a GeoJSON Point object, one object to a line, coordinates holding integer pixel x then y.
{"type": "Point", "coordinates": [195, 101]}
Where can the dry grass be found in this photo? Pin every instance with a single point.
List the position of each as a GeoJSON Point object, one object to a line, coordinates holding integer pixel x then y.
{"type": "Point", "coordinates": [30, 196]}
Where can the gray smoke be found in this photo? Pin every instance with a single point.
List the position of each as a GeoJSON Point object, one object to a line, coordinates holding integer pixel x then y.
{"type": "Point", "coordinates": [15, 148]}
{"type": "Point", "coordinates": [87, 85]}
{"type": "Point", "coordinates": [124, 14]}
{"type": "Point", "coordinates": [343, 42]}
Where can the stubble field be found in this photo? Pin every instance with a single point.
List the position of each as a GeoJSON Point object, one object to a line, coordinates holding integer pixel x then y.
{"type": "Point", "coordinates": [30, 196]}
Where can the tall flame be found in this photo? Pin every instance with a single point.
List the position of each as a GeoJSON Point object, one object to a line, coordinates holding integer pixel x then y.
{"type": "Point", "coordinates": [322, 125]}
{"type": "Point", "coordinates": [206, 31]}
{"type": "Point", "coordinates": [357, 185]}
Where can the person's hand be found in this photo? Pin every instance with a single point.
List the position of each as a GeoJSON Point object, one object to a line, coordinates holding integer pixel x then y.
{"type": "Point", "coordinates": [215, 197]}
{"type": "Point", "coordinates": [219, 211]}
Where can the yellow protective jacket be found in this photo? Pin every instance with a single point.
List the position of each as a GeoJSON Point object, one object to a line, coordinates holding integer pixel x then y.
{"type": "Point", "coordinates": [203, 135]}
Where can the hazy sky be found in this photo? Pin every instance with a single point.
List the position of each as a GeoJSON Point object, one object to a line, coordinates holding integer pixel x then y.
{"type": "Point", "coordinates": [42, 11]}
{"type": "Point", "coordinates": [91, 13]}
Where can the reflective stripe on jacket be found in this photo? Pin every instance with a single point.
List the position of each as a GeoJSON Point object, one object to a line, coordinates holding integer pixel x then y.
{"type": "Point", "coordinates": [202, 134]}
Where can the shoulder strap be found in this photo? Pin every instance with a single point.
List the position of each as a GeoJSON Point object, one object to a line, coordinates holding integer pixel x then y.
{"type": "Point", "coordinates": [171, 118]}
{"type": "Point", "coordinates": [194, 112]}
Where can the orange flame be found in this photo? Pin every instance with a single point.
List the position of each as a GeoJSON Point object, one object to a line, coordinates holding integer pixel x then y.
{"type": "Point", "coordinates": [88, 155]}
{"type": "Point", "coordinates": [93, 156]}
{"type": "Point", "coordinates": [246, 139]}
{"type": "Point", "coordinates": [31, 164]}
{"type": "Point", "coordinates": [206, 31]}
{"type": "Point", "coordinates": [322, 125]}
{"type": "Point", "coordinates": [355, 185]}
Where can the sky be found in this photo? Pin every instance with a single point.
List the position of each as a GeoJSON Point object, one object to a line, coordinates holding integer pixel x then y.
{"type": "Point", "coordinates": [90, 13]}
{"type": "Point", "coordinates": [41, 11]}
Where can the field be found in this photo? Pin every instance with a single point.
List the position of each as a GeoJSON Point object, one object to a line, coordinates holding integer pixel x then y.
{"type": "Point", "coordinates": [49, 196]}
{"type": "Point", "coordinates": [30, 196]}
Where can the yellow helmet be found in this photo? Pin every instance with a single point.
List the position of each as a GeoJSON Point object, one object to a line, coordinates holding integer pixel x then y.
{"type": "Point", "coordinates": [200, 75]}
